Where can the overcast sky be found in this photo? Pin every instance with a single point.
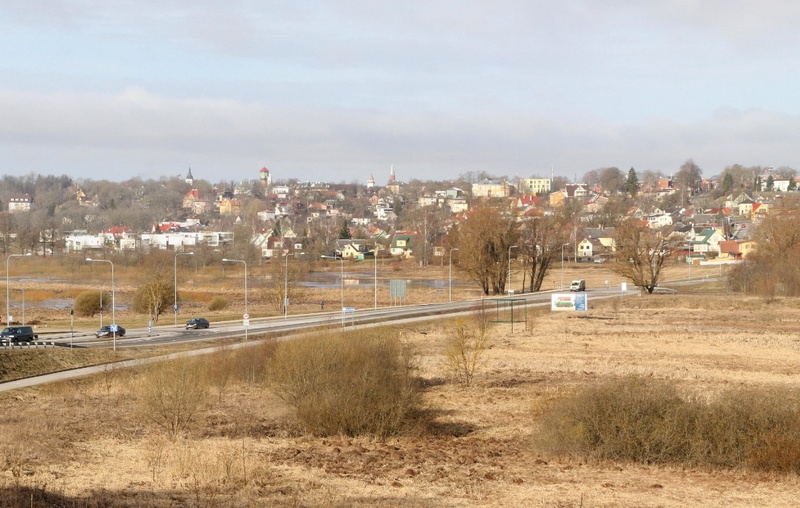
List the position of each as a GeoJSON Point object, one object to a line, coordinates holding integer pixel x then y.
{"type": "Point", "coordinates": [339, 90]}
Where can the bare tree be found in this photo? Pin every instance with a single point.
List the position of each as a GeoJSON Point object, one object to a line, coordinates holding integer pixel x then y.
{"type": "Point", "coordinates": [541, 241]}
{"type": "Point", "coordinates": [640, 254]}
{"type": "Point", "coordinates": [483, 240]}
{"type": "Point", "coordinates": [427, 222]}
{"type": "Point", "coordinates": [688, 178]}
{"type": "Point", "coordinates": [156, 294]}
{"type": "Point", "coordinates": [775, 268]}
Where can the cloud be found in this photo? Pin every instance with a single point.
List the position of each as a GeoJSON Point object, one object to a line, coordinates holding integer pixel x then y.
{"type": "Point", "coordinates": [143, 134]}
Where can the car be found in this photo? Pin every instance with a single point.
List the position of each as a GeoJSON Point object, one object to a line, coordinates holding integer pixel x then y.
{"type": "Point", "coordinates": [577, 285]}
{"type": "Point", "coordinates": [18, 334]}
{"type": "Point", "coordinates": [197, 323]}
{"type": "Point", "coordinates": [108, 331]}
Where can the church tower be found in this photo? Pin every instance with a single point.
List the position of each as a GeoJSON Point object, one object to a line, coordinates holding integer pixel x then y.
{"type": "Point", "coordinates": [189, 177]}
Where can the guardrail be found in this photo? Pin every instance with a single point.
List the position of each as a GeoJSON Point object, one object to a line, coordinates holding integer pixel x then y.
{"type": "Point", "coordinates": [28, 345]}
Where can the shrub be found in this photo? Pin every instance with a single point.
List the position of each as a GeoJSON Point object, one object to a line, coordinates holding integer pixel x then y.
{"type": "Point", "coordinates": [627, 419]}
{"type": "Point", "coordinates": [353, 383]}
{"type": "Point", "coordinates": [87, 303]}
{"type": "Point", "coordinates": [635, 419]}
{"type": "Point", "coordinates": [217, 303]}
{"type": "Point", "coordinates": [466, 343]}
{"type": "Point", "coordinates": [154, 295]}
{"type": "Point", "coordinates": [173, 393]}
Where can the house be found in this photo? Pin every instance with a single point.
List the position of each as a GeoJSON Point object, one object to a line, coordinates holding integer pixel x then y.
{"type": "Point", "coordinates": [589, 248]}
{"type": "Point", "coordinates": [458, 205]}
{"type": "Point", "coordinates": [736, 249]}
{"type": "Point", "coordinates": [707, 241]}
{"type": "Point", "coordinates": [576, 190]}
{"type": "Point", "coordinates": [402, 245]}
{"type": "Point", "coordinates": [598, 242]}
{"type": "Point", "coordinates": [350, 248]}
{"type": "Point", "coordinates": [20, 203]}
{"type": "Point", "coordinates": [491, 189]}
{"type": "Point", "coordinates": [194, 201]}
{"type": "Point", "coordinates": [231, 206]}
{"type": "Point", "coordinates": [534, 185]}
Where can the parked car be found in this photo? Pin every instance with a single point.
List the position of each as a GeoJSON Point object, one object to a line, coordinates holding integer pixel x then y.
{"type": "Point", "coordinates": [197, 323]}
{"type": "Point", "coordinates": [18, 334]}
{"type": "Point", "coordinates": [108, 331]}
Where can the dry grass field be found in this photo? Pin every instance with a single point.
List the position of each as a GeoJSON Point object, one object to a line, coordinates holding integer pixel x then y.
{"type": "Point", "coordinates": [90, 443]}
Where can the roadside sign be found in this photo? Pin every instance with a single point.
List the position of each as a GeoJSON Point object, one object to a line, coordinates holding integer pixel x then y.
{"type": "Point", "coordinates": [246, 323]}
{"type": "Point", "coordinates": [246, 316]}
{"type": "Point", "coordinates": [175, 307]}
{"type": "Point", "coordinates": [569, 302]}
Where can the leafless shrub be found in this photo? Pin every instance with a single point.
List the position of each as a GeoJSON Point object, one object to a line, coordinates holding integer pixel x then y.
{"type": "Point", "coordinates": [217, 303]}
{"type": "Point", "coordinates": [649, 421]}
{"type": "Point", "coordinates": [466, 344]}
{"type": "Point", "coordinates": [353, 383]}
{"type": "Point", "coordinates": [173, 393]}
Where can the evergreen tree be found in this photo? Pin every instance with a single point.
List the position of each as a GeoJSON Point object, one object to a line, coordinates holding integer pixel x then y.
{"type": "Point", "coordinates": [727, 183]}
{"type": "Point", "coordinates": [632, 183]}
{"type": "Point", "coordinates": [344, 233]}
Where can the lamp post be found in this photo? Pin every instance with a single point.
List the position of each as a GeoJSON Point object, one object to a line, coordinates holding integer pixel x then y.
{"type": "Point", "coordinates": [375, 277]}
{"type": "Point", "coordinates": [113, 301]}
{"type": "Point", "coordinates": [23, 306]}
{"type": "Point", "coordinates": [8, 292]}
{"type": "Point", "coordinates": [175, 283]}
{"type": "Point", "coordinates": [509, 267]}
{"type": "Point", "coordinates": [286, 282]}
{"type": "Point", "coordinates": [246, 314]}
{"type": "Point", "coordinates": [450, 277]}
{"type": "Point", "coordinates": [562, 265]}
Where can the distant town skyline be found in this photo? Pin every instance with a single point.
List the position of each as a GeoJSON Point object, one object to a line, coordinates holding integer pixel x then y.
{"type": "Point", "coordinates": [337, 91]}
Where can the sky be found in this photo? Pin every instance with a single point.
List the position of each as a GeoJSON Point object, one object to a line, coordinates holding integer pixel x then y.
{"type": "Point", "coordinates": [340, 90]}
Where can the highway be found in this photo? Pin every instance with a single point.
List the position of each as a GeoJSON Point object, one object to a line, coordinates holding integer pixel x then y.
{"type": "Point", "coordinates": [169, 334]}
{"type": "Point", "coordinates": [294, 324]}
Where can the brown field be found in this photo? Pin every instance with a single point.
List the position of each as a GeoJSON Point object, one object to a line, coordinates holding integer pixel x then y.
{"type": "Point", "coordinates": [88, 443]}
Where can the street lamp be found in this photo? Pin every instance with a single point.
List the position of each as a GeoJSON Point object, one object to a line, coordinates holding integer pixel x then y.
{"type": "Point", "coordinates": [23, 306]}
{"type": "Point", "coordinates": [562, 265]}
{"type": "Point", "coordinates": [175, 284]}
{"type": "Point", "coordinates": [450, 277]}
{"type": "Point", "coordinates": [375, 277]}
{"type": "Point", "coordinates": [246, 315]}
{"type": "Point", "coordinates": [113, 306]}
{"type": "Point", "coordinates": [509, 266]}
{"type": "Point", "coordinates": [286, 282]}
{"type": "Point", "coordinates": [8, 292]}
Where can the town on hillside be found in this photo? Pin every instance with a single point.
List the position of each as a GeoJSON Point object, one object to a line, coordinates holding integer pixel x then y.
{"type": "Point", "coordinates": [709, 220]}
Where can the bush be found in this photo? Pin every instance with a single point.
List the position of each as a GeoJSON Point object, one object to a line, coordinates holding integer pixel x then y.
{"type": "Point", "coordinates": [353, 383]}
{"type": "Point", "coordinates": [87, 304]}
{"type": "Point", "coordinates": [466, 344]}
{"type": "Point", "coordinates": [628, 419]}
{"type": "Point", "coordinates": [173, 393]}
{"type": "Point", "coordinates": [648, 421]}
{"type": "Point", "coordinates": [218, 303]}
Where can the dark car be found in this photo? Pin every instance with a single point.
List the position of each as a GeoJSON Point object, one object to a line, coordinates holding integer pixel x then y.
{"type": "Point", "coordinates": [18, 334]}
{"type": "Point", "coordinates": [108, 331]}
{"type": "Point", "coordinates": [197, 323]}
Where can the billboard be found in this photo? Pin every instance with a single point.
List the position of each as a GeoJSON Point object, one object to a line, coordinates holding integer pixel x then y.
{"type": "Point", "coordinates": [569, 301]}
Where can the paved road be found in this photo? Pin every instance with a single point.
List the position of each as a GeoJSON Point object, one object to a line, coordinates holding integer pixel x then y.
{"type": "Point", "coordinates": [295, 324]}
{"type": "Point", "coordinates": [169, 334]}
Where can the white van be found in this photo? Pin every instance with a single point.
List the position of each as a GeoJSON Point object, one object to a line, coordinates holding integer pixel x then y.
{"type": "Point", "coordinates": [577, 285]}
